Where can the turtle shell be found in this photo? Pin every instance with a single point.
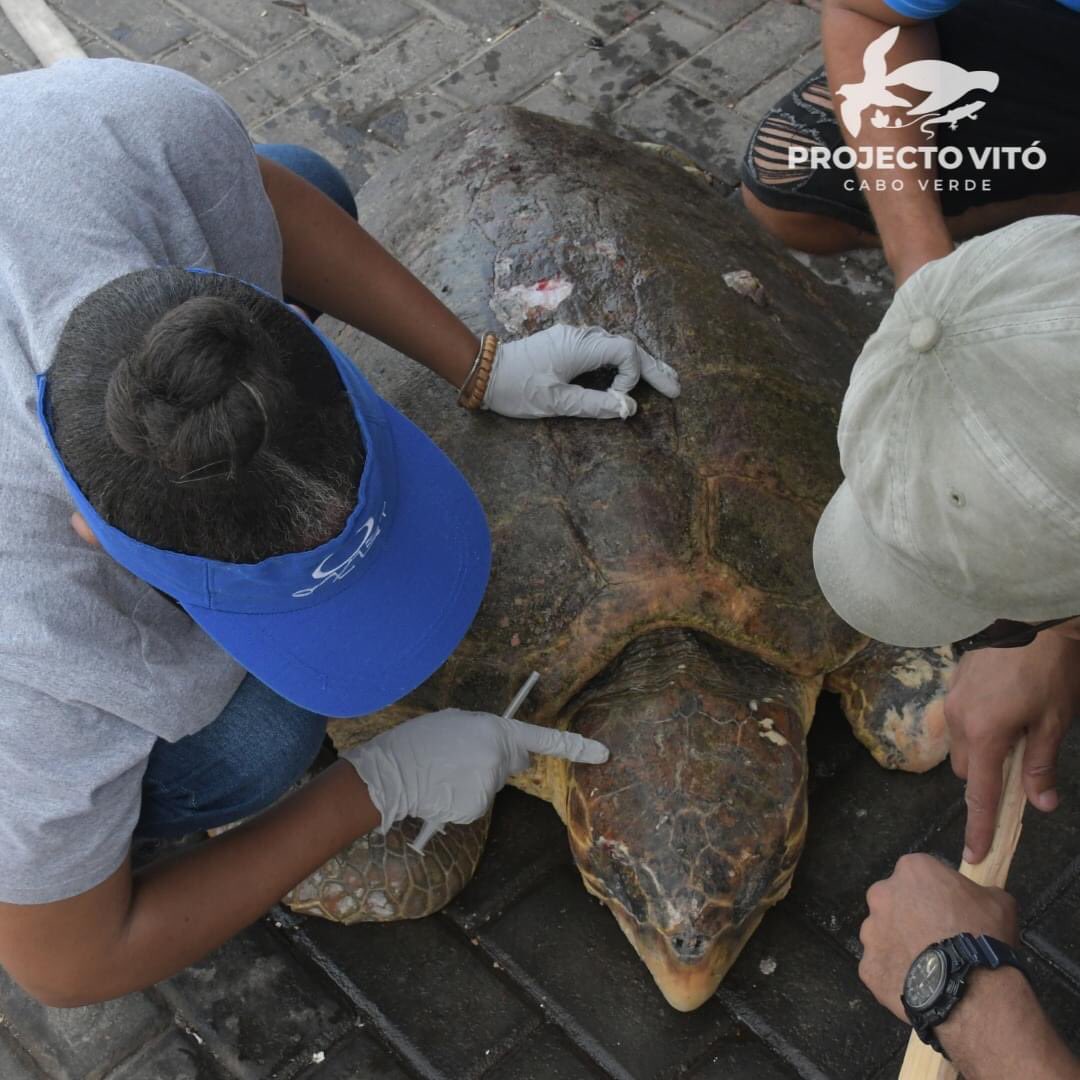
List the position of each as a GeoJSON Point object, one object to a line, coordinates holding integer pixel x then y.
{"type": "Point", "coordinates": [696, 513]}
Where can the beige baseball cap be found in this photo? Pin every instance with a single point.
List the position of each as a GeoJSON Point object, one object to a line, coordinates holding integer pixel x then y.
{"type": "Point", "coordinates": [960, 444]}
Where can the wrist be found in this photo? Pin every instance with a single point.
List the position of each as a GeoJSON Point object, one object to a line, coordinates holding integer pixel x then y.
{"type": "Point", "coordinates": [998, 1029]}
{"type": "Point", "coordinates": [909, 254]}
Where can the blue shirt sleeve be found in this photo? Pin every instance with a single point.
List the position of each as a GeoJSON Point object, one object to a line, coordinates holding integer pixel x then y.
{"type": "Point", "coordinates": [922, 9]}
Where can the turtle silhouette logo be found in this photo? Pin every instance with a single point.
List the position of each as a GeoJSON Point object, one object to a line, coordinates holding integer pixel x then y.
{"type": "Point", "coordinates": [943, 83]}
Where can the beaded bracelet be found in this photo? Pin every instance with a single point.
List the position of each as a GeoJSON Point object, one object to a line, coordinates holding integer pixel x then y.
{"type": "Point", "coordinates": [476, 382]}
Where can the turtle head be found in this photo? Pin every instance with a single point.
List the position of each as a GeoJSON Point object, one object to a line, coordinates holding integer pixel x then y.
{"type": "Point", "coordinates": [692, 830]}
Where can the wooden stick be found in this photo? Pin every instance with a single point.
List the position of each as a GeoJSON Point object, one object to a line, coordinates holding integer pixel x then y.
{"type": "Point", "coordinates": [921, 1062]}
{"type": "Point", "coordinates": [39, 26]}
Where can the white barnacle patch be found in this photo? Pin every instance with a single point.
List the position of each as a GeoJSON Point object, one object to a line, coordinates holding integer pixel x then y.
{"type": "Point", "coordinates": [767, 965]}
{"type": "Point", "coordinates": [753, 706]}
{"type": "Point", "coordinates": [379, 904]}
{"type": "Point", "coordinates": [913, 670]}
{"type": "Point", "coordinates": [767, 730]}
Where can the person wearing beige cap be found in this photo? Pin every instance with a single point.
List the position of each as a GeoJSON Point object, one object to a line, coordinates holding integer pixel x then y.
{"type": "Point", "coordinates": [958, 521]}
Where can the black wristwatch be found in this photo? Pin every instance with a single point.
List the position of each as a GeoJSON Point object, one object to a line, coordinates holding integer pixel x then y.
{"type": "Point", "coordinates": [936, 979]}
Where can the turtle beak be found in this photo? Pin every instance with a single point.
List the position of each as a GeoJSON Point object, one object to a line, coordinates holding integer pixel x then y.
{"type": "Point", "coordinates": [686, 965]}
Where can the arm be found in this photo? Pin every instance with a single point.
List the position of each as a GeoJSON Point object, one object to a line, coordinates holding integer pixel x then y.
{"type": "Point", "coordinates": [133, 930]}
{"type": "Point", "coordinates": [910, 222]}
{"type": "Point", "coordinates": [997, 1030]}
{"type": "Point", "coordinates": [331, 263]}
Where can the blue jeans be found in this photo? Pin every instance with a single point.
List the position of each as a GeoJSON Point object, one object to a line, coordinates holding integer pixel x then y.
{"type": "Point", "coordinates": [261, 744]}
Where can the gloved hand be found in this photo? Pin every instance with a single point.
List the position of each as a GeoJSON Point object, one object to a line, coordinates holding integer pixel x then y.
{"type": "Point", "coordinates": [531, 377]}
{"type": "Point", "coordinates": [447, 766]}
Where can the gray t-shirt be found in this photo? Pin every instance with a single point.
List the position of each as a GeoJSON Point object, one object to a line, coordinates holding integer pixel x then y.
{"type": "Point", "coordinates": [106, 166]}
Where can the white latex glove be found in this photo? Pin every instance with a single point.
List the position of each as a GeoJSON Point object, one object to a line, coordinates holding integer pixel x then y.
{"type": "Point", "coordinates": [531, 377]}
{"type": "Point", "coordinates": [447, 766]}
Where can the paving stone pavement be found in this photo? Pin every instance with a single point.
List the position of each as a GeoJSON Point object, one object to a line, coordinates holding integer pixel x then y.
{"type": "Point", "coordinates": [524, 977]}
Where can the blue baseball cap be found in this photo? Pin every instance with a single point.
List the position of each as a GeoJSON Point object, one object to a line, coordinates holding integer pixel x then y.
{"type": "Point", "coordinates": [353, 625]}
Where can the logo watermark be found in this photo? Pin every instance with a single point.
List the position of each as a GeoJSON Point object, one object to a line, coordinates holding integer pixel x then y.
{"type": "Point", "coordinates": [944, 84]}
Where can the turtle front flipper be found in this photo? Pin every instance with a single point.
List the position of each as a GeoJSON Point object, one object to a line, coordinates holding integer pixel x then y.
{"type": "Point", "coordinates": [692, 829]}
{"type": "Point", "coordinates": [894, 699]}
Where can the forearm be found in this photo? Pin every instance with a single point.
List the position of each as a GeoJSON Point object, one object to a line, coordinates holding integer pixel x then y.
{"type": "Point", "coordinates": [185, 906]}
{"type": "Point", "coordinates": [910, 221]}
{"type": "Point", "coordinates": [332, 264]}
{"type": "Point", "coordinates": [998, 1031]}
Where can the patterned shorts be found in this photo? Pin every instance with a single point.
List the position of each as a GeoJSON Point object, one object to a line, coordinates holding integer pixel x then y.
{"type": "Point", "coordinates": [1031, 44]}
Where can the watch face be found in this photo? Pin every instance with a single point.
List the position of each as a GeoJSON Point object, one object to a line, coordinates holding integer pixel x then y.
{"type": "Point", "coordinates": [926, 979]}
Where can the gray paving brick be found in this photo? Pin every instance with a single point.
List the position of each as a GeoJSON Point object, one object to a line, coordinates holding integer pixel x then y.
{"type": "Point", "coordinates": [435, 992]}
{"type": "Point", "coordinates": [313, 124]}
{"type": "Point", "coordinates": [516, 63]}
{"type": "Point", "coordinates": [413, 119]}
{"type": "Point", "coordinates": [593, 979]}
{"type": "Point", "coordinates": [811, 1003]}
{"type": "Point", "coordinates": [15, 1063]}
{"type": "Point", "coordinates": [606, 16]}
{"type": "Point", "coordinates": [767, 41]}
{"type": "Point", "coordinates": [174, 1056]}
{"type": "Point", "coordinates": [546, 1055]}
{"type": "Point", "coordinates": [142, 27]}
{"type": "Point", "coordinates": [83, 1043]}
{"type": "Point", "coordinates": [486, 17]}
{"type": "Point", "coordinates": [420, 53]}
{"type": "Point", "coordinates": [98, 48]}
{"type": "Point", "coordinates": [810, 61]}
{"type": "Point", "coordinates": [255, 25]}
{"type": "Point", "coordinates": [259, 1011]}
{"type": "Point", "coordinates": [758, 102]}
{"type": "Point", "coordinates": [718, 13]}
{"type": "Point", "coordinates": [357, 1057]}
{"type": "Point", "coordinates": [653, 45]}
{"type": "Point", "coordinates": [742, 1058]}
{"type": "Point", "coordinates": [273, 83]}
{"type": "Point", "coordinates": [859, 825]}
{"type": "Point", "coordinates": [373, 21]}
{"type": "Point", "coordinates": [554, 99]}
{"type": "Point", "coordinates": [526, 842]}
{"type": "Point", "coordinates": [710, 133]}
{"type": "Point", "coordinates": [205, 58]}
{"type": "Point", "coordinates": [14, 47]}
{"type": "Point", "coordinates": [1055, 933]}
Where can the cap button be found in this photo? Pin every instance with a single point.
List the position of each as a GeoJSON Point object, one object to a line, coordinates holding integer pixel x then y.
{"type": "Point", "coordinates": [924, 334]}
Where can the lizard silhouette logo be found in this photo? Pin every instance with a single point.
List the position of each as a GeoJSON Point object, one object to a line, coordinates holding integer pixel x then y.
{"type": "Point", "coordinates": [943, 83]}
{"type": "Point", "coordinates": [367, 534]}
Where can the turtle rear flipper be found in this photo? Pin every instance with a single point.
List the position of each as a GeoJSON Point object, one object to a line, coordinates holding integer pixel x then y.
{"type": "Point", "coordinates": [894, 699]}
{"type": "Point", "coordinates": [384, 879]}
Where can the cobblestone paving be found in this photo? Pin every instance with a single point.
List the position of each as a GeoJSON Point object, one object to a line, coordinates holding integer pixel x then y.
{"type": "Point", "coordinates": [524, 977]}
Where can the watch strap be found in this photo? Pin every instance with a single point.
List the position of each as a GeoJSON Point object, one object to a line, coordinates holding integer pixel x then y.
{"type": "Point", "coordinates": [964, 952]}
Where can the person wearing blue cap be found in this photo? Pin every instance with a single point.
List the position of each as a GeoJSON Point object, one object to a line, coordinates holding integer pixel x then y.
{"type": "Point", "coordinates": [256, 540]}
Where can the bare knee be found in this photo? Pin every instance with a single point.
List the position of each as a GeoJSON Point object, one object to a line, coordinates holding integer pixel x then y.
{"type": "Point", "coordinates": [815, 234]}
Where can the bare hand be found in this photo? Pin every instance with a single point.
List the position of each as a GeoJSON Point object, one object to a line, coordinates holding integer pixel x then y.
{"type": "Point", "coordinates": [923, 902]}
{"type": "Point", "coordinates": [997, 695]}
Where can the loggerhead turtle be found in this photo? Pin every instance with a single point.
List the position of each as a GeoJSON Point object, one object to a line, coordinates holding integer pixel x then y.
{"type": "Point", "coordinates": [658, 571]}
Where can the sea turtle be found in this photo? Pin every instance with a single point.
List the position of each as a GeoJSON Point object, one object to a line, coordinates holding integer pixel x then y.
{"type": "Point", "coordinates": [657, 572]}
